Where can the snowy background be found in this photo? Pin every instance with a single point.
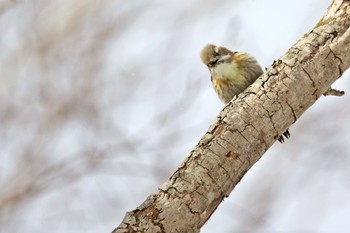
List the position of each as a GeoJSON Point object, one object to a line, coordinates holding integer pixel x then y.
{"type": "Point", "coordinates": [100, 101]}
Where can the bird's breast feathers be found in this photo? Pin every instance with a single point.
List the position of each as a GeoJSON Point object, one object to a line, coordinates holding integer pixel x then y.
{"type": "Point", "coordinates": [227, 72]}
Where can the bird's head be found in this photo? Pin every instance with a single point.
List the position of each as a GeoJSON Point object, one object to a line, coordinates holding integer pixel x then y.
{"type": "Point", "coordinates": [212, 55]}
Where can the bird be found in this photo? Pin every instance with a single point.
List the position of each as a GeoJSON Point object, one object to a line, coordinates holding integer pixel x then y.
{"type": "Point", "coordinates": [231, 72]}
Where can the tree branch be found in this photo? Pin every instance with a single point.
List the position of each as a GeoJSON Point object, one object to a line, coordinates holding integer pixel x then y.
{"type": "Point", "coordinates": [247, 127]}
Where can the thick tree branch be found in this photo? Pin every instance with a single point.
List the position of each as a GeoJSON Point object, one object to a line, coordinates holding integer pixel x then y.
{"type": "Point", "coordinates": [247, 127]}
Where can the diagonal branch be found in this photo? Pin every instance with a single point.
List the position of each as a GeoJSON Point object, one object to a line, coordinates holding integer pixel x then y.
{"type": "Point", "coordinates": [247, 127]}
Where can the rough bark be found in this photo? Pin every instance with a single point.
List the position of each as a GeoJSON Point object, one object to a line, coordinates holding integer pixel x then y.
{"type": "Point", "coordinates": [247, 127]}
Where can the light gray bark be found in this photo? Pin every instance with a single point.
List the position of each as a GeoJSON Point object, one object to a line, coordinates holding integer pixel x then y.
{"type": "Point", "coordinates": [247, 127]}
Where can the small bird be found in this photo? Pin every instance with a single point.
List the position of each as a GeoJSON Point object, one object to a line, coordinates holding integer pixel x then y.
{"type": "Point", "coordinates": [231, 72]}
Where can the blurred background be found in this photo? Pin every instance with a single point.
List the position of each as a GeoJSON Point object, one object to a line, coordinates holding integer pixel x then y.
{"type": "Point", "coordinates": [100, 102]}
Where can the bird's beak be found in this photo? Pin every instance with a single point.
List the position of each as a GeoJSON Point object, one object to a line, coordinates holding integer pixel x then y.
{"type": "Point", "coordinates": [213, 61]}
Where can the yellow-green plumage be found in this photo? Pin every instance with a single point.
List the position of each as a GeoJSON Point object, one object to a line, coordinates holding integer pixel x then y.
{"type": "Point", "coordinates": [231, 72]}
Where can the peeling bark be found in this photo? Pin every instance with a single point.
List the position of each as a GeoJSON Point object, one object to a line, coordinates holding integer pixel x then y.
{"type": "Point", "coordinates": [247, 127]}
